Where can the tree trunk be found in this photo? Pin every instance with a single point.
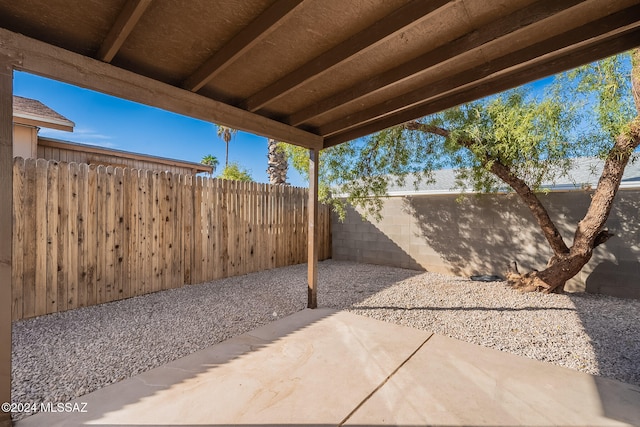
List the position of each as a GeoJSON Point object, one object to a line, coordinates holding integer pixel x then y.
{"type": "Point", "coordinates": [277, 164]}
{"type": "Point", "coordinates": [567, 261]}
{"type": "Point", "coordinates": [590, 231]}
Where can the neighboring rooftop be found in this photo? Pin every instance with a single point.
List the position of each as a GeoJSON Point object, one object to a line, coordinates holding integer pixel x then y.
{"type": "Point", "coordinates": [120, 154]}
{"type": "Point", "coordinates": [32, 112]}
{"type": "Point", "coordinates": [584, 173]}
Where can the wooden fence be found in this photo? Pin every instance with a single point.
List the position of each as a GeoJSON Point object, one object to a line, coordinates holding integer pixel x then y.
{"type": "Point", "coordinates": [86, 235]}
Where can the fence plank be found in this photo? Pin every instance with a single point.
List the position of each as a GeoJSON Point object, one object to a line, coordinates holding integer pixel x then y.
{"type": "Point", "coordinates": [141, 238]}
{"type": "Point", "coordinates": [155, 233]}
{"type": "Point", "coordinates": [260, 253]}
{"type": "Point", "coordinates": [91, 243]}
{"type": "Point", "coordinates": [109, 249]}
{"type": "Point", "coordinates": [101, 256]}
{"type": "Point", "coordinates": [150, 237]}
{"type": "Point", "coordinates": [118, 233]}
{"type": "Point", "coordinates": [17, 267]}
{"type": "Point", "coordinates": [29, 254]}
{"type": "Point", "coordinates": [163, 222]}
{"type": "Point", "coordinates": [224, 220]}
{"type": "Point", "coordinates": [51, 285]}
{"type": "Point", "coordinates": [187, 227]}
{"type": "Point", "coordinates": [131, 231]}
{"type": "Point", "coordinates": [208, 238]}
{"type": "Point", "coordinates": [72, 239]}
{"type": "Point", "coordinates": [86, 235]}
{"type": "Point", "coordinates": [41, 237]}
{"type": "Point", "coordinates": [196, 270]}
{"type": "Point", "coordinates": [176, 254]}
{"type": "Point", "coordinates": [214, 203]}
{"type": "Point", "coordinates": [81, 274]}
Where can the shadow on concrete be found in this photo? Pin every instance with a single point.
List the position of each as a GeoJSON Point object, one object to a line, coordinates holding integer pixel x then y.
{"type": "Point", "coordinates": [173, 374]}
{"type": "Point", "coordinates": [484, 234]}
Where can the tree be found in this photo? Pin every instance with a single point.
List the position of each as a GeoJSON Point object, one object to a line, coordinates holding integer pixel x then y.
{"type": "Point", "coordinates": [226, 134]}
{"type": "Point", "coordinates": [517, 139]}
{"type": "Point", "coordinates": [277, 164]}
{"type": "Point", "coordinates": [234, 172]}
{"type": "Point", "coordinates": [210, 160]}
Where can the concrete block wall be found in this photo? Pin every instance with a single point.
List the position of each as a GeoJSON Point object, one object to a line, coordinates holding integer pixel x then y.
{"type": "Point", "coordinates": [482, 234]}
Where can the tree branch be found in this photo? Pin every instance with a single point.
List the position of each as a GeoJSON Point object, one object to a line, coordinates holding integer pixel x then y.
{"type": "Point", "coordinates": [538, 210]}
{"type": "Point", "coordinates": [602, 237]}
{"type": "Point", "coordinates": [416, 125]}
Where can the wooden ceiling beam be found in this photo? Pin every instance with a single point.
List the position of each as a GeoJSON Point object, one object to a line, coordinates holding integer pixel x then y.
{"type": "Point", "coordinates": [401, 18]}
{"type": "Point", "coordinates": [522, 18]}
{"type": "Point", "coordinates": [585, 54]}
{"type": "Point", "coordinates": [41, 58]}
{"type": "Point", "coordinates": [419, 96]}
{"type": "Point", "coordinates": [264, 24]}
{"type": "Point", "coordinates": [127, 19]}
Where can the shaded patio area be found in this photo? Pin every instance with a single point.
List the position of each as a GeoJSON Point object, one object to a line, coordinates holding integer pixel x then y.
{"type": "Point", "coordinates": [328, 367]}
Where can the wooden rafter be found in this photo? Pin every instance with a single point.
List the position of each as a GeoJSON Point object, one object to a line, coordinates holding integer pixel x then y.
{"type": "Point", "coordinates": [549, 65]}
{"type": "Point", "coordinates": [552, 46]}
{"type": "Point", "coordinates": [526, 16]}
{"type": "Point", "coordinates": [365, 39]}
{"type": "Point", "coordinates": [44, 59]}
{"type": "Point", "coordinates": [240, 43]}
{"type": "Point", "coordinates": [127, 19]}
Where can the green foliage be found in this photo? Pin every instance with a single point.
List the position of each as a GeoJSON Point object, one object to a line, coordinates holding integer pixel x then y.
{"type": "Point", "coordinates": [605, 89]}
{"type": "Point", "coordinates": [210, 160]}
{"type": "Point", "coordinates": [531, 132]}
{"type": "Point", "coordinates": [235, 172]}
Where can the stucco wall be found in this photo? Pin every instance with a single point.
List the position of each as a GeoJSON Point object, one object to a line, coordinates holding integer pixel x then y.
{"type": "Point", "coordinates": [24, 141]}
{"type": "Point", "coordinates": [483, 234]}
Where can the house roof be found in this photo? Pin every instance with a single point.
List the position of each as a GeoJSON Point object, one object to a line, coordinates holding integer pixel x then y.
{"type": "Point", "coordinates": [128, 155]}
{"type": "Point", "coordinates": [584, 173]}
{"type": "Point", "coordinates": [32, 112]}
{"type": "Point", "coordinates": [311, 72]}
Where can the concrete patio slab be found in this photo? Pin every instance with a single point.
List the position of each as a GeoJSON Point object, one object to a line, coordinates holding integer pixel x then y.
{"type": "Point", "coordinates": [322, 367]}
{"type": "Point", "coordinates": [313, 367]}
{"type": "Point", "coordinates": [453, 383]}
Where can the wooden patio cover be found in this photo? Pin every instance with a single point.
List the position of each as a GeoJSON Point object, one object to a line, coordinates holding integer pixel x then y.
{"type": "Point", "coordinates": [314, 73]}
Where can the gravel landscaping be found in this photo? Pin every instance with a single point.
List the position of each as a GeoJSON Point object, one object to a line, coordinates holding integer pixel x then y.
{"type": "Point", "coordinates": [65, 355]}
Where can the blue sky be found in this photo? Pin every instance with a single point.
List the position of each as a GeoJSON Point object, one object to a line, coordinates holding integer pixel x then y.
{"type": "Point", "coordinates": [111, 122]}
{"type": "Point", "coordinates": [115, 123]}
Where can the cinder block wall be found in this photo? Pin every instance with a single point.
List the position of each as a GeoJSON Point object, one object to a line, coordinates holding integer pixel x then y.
{"type": "Point", "coordinates": [483, 234]}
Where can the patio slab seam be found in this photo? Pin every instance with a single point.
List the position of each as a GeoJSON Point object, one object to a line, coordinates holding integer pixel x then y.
{"type": "Point", "coordinates": [375, 390]}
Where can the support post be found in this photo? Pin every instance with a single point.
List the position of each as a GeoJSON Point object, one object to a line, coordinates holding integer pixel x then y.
{"type": "Point", "coordinates": [6, 230]}
{"type": "Point", "coordinates": [312, 245]}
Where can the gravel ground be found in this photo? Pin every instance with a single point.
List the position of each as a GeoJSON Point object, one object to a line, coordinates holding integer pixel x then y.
{"type": "Point", "coordinates": [65, 355]}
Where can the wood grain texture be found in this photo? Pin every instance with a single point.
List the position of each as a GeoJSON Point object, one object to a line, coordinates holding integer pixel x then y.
{"type": "Point", "coordinates": [88, 235]}
{"type": "Point", "coordinates": [7, 297]}
{"type": "Point", "coordinates": [60, 64]}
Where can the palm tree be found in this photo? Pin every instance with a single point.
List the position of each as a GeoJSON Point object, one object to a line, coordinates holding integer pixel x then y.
{"type": "Point", "coordinates": [210, 160]}
{"type": "Point", "coordinates": [226, 133]}
{"type": "Point", "coordinates": [277, 165]}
